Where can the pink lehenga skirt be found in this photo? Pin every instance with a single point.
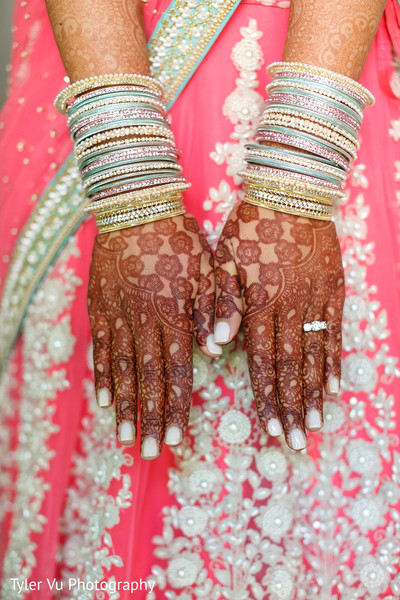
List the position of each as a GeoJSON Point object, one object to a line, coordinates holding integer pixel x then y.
{"type": "Point", "coordinates": [231, 513]}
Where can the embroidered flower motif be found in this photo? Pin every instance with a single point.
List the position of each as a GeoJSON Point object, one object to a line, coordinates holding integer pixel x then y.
{"type": "Point", "coordinates": [204, 480]}
{"type": "Point", "coordinates": [242, 104]}
{"type": "Point", "coordinates": [247, 55]}
{"type": "Point", "coordinates": [182, 571]}
{"type": "Point", "coordinates": [276, 520]}
{"type": "Point", "coordinates": [334, 416]}
{"type": "Point", "coordinates": [367, 513]}
{"type": "Point", "coordinates": [192, 520]}
{"type": "Point", "coordinates": [54, 295]}
{"type": "Point", "coordinates": [272, 464]}
{"type": "Point", "coordinates": [390, 492]}
{"type": "Point", "coordinates": [234, 427]}
{"type": "Point", "coordinates": [355, 308]}
{"type": "Point", "coordinates": [373, 577]}
{"type": "Point", "coordinates": [363, 458]}
{"type": "Point", "coordinates": [279, 583]}
{"type": "Point", "coordinates": [61, 342]}
{"type": "Point", "coordinates": [359, 370]}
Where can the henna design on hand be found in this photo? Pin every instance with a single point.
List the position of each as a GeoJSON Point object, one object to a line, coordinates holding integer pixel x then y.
{"type": "Point", "coordinates": [151, 287]}
{"type": "Point", "coordinates": [277, 271]}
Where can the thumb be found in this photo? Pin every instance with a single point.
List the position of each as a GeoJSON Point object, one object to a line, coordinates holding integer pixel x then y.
{"type": "Point", "coordinates": [229, 305]}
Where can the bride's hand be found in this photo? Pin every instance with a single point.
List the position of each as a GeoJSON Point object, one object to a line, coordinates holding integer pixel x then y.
{"type": "Point", "coordinates": [150, 288]}
{"type": "Point", "coordinates": [276, 272]}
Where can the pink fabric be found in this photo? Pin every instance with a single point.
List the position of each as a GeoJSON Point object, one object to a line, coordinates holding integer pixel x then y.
{"type": "Point", "coordinates": [34, 143]}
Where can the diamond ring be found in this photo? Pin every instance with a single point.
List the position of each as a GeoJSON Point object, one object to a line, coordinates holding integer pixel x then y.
{"type": "Point", "coordinates": [315, 326]}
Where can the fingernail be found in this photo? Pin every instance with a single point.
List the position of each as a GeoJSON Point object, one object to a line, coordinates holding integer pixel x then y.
{"type": "Point", "coordinates": [274, 427]}
{"type": "Point", "coordinates": [297, 439]}
{"type": "Point", "coordinates": [103, 398]}
{"type": "Point", "coordinates": [173, 436]}
{"type": "Point", "coordinates": [222, 332]}
{"type": "Point", "coordinates": [149, 448]}
{"type": "Point", "coordinates": [125, 432]}
{"type": "Point", "coordinates": [333, 385]}
{"type": "Point", "coordinates": [212, 346]}
{"type": "Point", "coordinates": [313, 419]}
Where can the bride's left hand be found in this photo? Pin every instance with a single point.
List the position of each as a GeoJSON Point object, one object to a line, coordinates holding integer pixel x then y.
{"type": "Point", "coordinates": [277, 271]}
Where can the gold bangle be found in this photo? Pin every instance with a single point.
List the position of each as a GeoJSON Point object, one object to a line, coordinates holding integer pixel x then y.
{"type": "Point", "coordinates": [262, 190]}
{"type": "Point", "coordinates": [282, 204]}
{"type": "Point", "coordinates": [289, 185]}
{"type": "Point", "coordinates": [139, 215]}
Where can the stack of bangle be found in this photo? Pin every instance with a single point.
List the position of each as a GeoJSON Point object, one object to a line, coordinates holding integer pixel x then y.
{"type": "Point", "coordinates": [124, 149]}
{"type": "Point", "coordinates": [317, 113]}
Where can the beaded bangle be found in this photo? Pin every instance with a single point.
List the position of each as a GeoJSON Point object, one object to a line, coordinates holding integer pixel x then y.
{"type": "Point", "coordinates": [291, 182]}
{"type": "Point", "coordinates": [140, 183]}
{"type": "Point", "coordinates": [304, 114]}
{"type": "Point", "coordinates": [62, 99]}
{"type": "Point", "coordinates": [138, 197]}
{"type": "Point", "coordinates": [316, 107]}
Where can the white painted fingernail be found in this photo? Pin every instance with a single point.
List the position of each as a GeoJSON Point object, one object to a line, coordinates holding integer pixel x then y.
{"type": "Point", "coordinates": [149, 448]}
{"type": "Point", "coordinates": [125, 432]}
{"type": "Point", "coordinates": [222, 332]}
{"type": "Point", "coordinates": [103, 397]}
{"type": "Point", "coordinates": [212, 346]}
{"type": "Point", "coordinates": [313, 419]}
{"type": "Point", "coordinates": [333, 385]}
{"type": "Point", "coordinates": [173, 436]}
{"type": "Point", "coordinates": [274, 427]}
{"type": "Point", "coordinates": [297, 439]}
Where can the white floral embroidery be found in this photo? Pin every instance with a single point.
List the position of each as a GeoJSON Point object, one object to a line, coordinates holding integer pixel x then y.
{"type": "Point", "coordinates": [242, 107]}
{"type": "Point", "coordinates": [91, 510]}
{"type": "Point", "coordinates": [274, 522]}
{"type": "Point", "coordinates": [48, 342]}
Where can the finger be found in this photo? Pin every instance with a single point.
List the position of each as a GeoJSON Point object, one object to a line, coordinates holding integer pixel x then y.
{"type": "Point", "coordinates": [260, 343]}
{"type": "Point", "coordinates": [151, 385]}
{"type": "Point", "coordinates": [178, 356]}
{"type": "Point", "coordinates": [313, 371]}
{"type": "Point", "coordinates": [333, 340]}
{"type": "Point", "coordinates": [101, 336]}
{"type": "Point", "coordinates": [124, 382]}
{"type": "Point", "coordinates": [289, 375]}
{"type": "Point", "coordinates": [229, 305]}
{"type": "Point", "coordinates": [204, 306]}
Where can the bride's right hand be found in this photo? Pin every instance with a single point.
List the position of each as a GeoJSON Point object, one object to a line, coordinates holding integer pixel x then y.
{"type": "Point", "coordinates": [150, 288]}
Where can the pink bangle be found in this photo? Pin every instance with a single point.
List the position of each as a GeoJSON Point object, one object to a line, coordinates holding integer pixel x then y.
{"type": "Point", "coordinates": [316, 105]}
{"type": "Point", "coordinates": [131, 154]}
{"type": "Point", "coordinates": [297, 142]}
